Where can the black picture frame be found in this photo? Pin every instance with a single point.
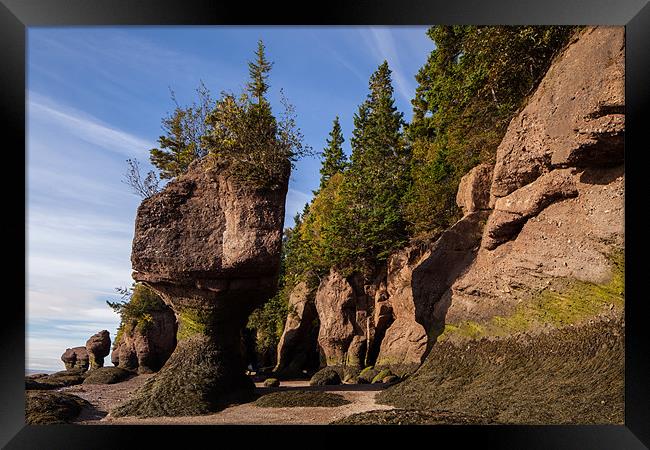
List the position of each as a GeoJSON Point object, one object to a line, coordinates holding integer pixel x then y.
{"type": "Point", "coordinates": [17, 15]}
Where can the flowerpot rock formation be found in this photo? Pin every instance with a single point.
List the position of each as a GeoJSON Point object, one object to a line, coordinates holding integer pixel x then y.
{"type": "Point", "coordinates": [209, 245]}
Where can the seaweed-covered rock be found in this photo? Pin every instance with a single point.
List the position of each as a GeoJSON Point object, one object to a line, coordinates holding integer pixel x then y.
{"type": "Point", "coordinates": [288, 399]}
{"type": "Point", "coordinates": [44, 408]}
{"type": "Point", "coordinates": [98, 347]}
{"type": "Point", "coordinates": [107, 375]}
{"type": "Point", "coordinates": [379, 378]}
{"type": "Point", "coordinates": [366, 375]}
{"type": "Point", "coordinates": [325, 377]}
{"type": "Point", "coordinates": [56, 380]}
{"type": "Point", "coordinates": [412, 417]}
{"type": "Point", "coordinates": [198, 377]}
{"type": "Point", "coordinates": [209, 245]}
{"type": "Point", "coordinates": [271, 382]}
{"type": "Point", "coordinates": [75, 358]}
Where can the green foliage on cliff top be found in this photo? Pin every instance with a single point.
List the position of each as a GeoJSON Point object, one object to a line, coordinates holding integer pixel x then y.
{"type": "Point", "coordinates": [401, 180]}
{"type": "Point", "coordinates": [135, 309]}
{"type": "Point", "coordinates": [240, 134]}
{"type": "Point", "coordinates": [246, 139]}
{"type": "Point", "coordinates": [471, 86]}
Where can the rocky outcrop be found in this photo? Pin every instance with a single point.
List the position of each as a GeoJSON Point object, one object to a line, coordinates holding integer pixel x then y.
{"type": "Point", "coordinates": [474, 189]}
{"type": "Point", "coordinates": [210, 247]}
{"type": "Point", "coordinates": [75, 358]}
{"type": "Point", "coordinates": [512, 211]}
{"type": "Point", "coordinates": [390, 321]}
{"type": "Point", "coordinates": [576, 117]}
{"type": "Point", "coordinates": [558, 188]}
{"type": "Point", "coordinates": [417, 279]}
{"type": "Point", "coordinates": [146, 350]}
{"type": "Point", "coordinates": [98, 347]}
{"type": "Point", "coordinates": [346, 310]}
{"type": "Point", "coordinates": [298, 348]}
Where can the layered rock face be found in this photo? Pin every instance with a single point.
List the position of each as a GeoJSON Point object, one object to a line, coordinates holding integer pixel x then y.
{"type": "Point", "coordinates": [297, 349]}
{"type": "Point", "coordinates": [98, 347]}
{"type": "Point", "coordinates": [558, 187]}
{"type": "Point", "coordinates": [76, 358]}
{"type": "Point", "coordinates": [147, 351]}
{"type": "Point", "coordinates": [210, 247]}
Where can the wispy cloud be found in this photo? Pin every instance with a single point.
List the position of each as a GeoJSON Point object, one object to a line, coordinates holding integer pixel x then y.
{"type": "Point", "coordinates": [382, 46]}
{"type": "Point", "coordinates": [86, 127]}
{"type": "Point", "coordinates": [340, 58]}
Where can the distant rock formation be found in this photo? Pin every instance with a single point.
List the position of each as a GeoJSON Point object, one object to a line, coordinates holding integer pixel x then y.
{"type": "Point", "coordinates": [147, 350]}
{"type": "Point", "coordinates": [210, 247]}
{"type": "Point", "coordinates": [98, 347]}
{"type": "Point", "coordinates": [75, 358]}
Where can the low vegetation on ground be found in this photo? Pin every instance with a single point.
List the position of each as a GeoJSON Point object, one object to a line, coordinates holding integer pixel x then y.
{"type": "Point", "coordinates": [45, 407]}
{"type": "Point", "coordinates": [300, 398]}
{"type": "Point", "coordinates": [572, 375]}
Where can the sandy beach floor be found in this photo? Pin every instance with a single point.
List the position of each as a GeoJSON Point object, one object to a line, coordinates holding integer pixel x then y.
{"type": "Point", "coordinates": [104, 397]}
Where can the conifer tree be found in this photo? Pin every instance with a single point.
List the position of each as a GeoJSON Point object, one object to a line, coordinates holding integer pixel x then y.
{"type": "Point", "coordinates": [334, 160]}
{"type": "Point", "coordinates": [259, 72]}
{"type": "Point", "coordinates": [182, 142]}
{"type": "Point", "coordinates": [367, 223]}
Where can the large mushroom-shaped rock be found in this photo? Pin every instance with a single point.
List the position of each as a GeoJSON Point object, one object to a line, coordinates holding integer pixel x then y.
{"type": "Point", "coordinates": [75, 358]}
{"type": "Point", "coordinates": [209, 245]}
{"type": "Point", "coordinates": [98, 347]}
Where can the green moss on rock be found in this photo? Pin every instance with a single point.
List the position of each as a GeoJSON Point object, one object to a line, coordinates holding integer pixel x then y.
{"type": "Point", "coordinates": [379, 378]}
{"type": "Point", "coordinates": [566, 302]}
{"type": "Point", "coordinates": [366, 375]}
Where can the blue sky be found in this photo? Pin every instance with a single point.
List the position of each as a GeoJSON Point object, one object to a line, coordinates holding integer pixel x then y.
{"type": "Point", "coordinates": [95, 97]}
